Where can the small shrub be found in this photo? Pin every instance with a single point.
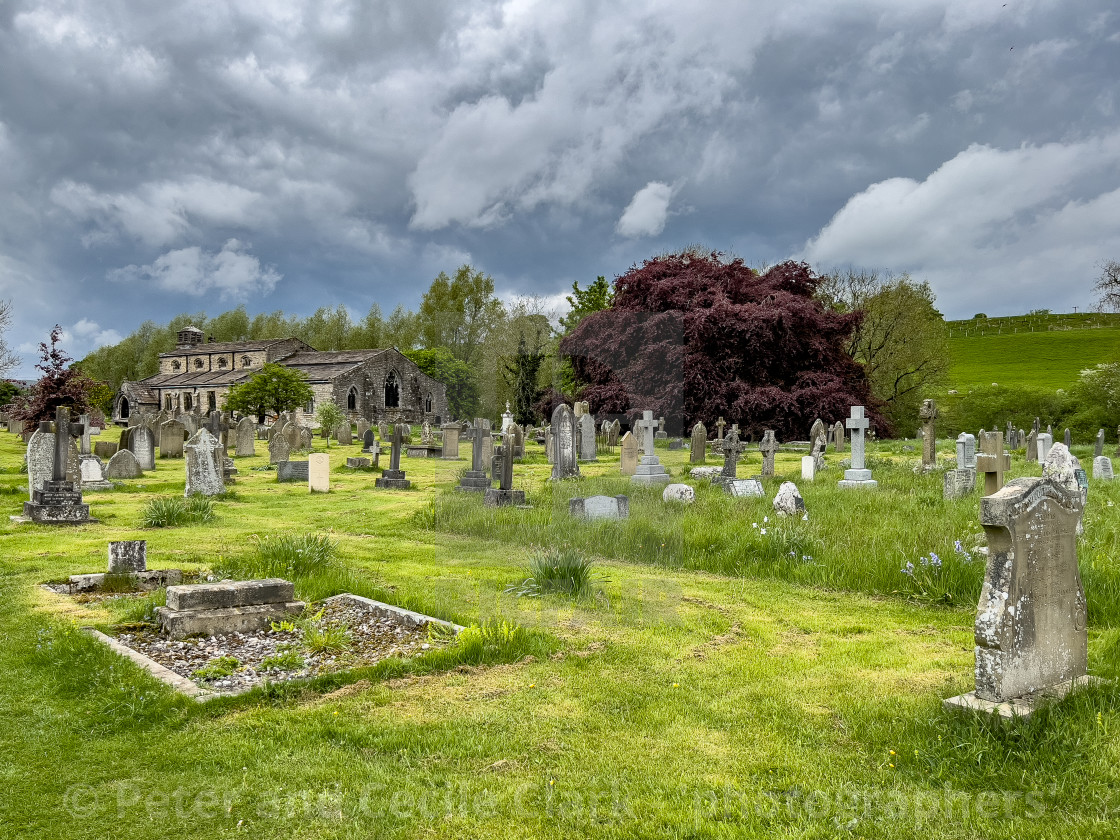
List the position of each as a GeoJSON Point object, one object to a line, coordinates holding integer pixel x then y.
{"type": "Point", "coordinates": [170, 511]}
{"type": "Point", "coordinates": [331, 638]}
{"type": "Point", "coordinates": [556, 570]}
{"type": "Point", "coordinates": [491, 641]}
{"type": "Point", "coordinates": [217, 668]}
{"type": "Point", "coordinates": [199, 508]}
{"type": "Point", "coordinates": [287, 658]}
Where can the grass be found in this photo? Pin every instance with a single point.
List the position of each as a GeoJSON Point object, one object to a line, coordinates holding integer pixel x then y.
{"type": "Point", "coordinates": [172, 511]}
{"type": "Point", "coordinates": [717, 691]}
{"type": "Point", "coordinates": [217, 668]}
{"type": "Point", "coordinates": [562, 571]}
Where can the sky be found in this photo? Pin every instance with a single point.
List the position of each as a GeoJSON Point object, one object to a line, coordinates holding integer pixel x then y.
{"type": "Point", "coordinates": [160, 158]}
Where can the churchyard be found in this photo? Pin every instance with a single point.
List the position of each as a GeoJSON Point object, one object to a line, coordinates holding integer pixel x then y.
{"type": "Point", "coordinates": [729, 671]}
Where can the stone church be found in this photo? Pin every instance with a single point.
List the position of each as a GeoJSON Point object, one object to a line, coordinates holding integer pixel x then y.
{"type": "Point", "coordinates": [379, 385]}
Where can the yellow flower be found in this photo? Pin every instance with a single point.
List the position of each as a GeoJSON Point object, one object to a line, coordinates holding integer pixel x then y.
{"type": "Point", "coordinates": [892, 765]}
{"type": "Point", "coordinates": [892, 752]}
{"type": "Point", "coordinates": [676, 685]}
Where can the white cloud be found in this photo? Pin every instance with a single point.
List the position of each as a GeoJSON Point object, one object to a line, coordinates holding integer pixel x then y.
{"type": "Point", "coordinates": [1032, 221]}
{"type": "Point", "coordinates": [647, 211]}
{"type": "Point", "coordinates": [232, 273]}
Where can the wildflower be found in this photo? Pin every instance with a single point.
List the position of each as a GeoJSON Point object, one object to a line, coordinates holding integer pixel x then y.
{"type": "Point", "coordinates": [762, 531]}
{"type": "Point", "coordinates": [892, 752]}
{"type": "Point", "coordinates": [805, 518]}
{"type": "Point", "coordinates": [957, 547]}
{"type": "Point", "coordinates": [908, 569]}
{"type": "Point", "coordinates": [754, 524]}
{"type": "Point", "coordinates": [765, 519]}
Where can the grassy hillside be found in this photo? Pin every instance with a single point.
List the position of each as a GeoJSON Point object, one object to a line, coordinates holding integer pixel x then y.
{"type": "Point", "coordinates": [1044, 351]}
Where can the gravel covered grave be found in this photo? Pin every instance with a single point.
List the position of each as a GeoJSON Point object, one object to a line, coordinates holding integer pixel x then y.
{"type": "Point", "coordinates": [239, 661]}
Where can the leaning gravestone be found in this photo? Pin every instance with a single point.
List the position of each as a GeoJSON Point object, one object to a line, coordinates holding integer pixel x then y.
{"type": "Point", "coordinates": [699, 444]}
{"type": "Point", "coordinates": [143, 445]}
{"type": "Point", "coordinates": [1031, 640]}
{"type": "Point", "coordinates": [600, 507]}
{"type": "Point", "coordinates": [171, 437]}
{"type": "Point", "coordinates": [245, 437]}
{"type": "Point", "coordinates": [123, 465]}
{"type": "Point", "coordinates": [858, 476]}
{"type": "Point", "coordinates": [1102, 468]}
{"type": "Point", "coordinates": [279, 449]}
{"type": "Point", "coordinates": [628, 454]}
{"type": "Point", "coordinates": [565, 431]}
{"type": "Point", "coordinates": [204, 464]}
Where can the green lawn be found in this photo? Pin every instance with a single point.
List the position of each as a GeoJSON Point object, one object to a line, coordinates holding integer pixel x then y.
{"type": "Point", "coordinates": [1048, 360]}
{"type": "Point", "coordinates": [712, 689]}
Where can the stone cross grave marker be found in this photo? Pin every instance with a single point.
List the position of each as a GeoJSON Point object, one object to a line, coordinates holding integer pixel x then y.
{"type": "Point", "coordinates": [1031, 638]}
{"type": "Point", "coordinates": [928, 414]}
{"type": "Point", "coordinates": [504, 495]}
{"type": "Point", "coordinates": [992, 461]}
{"type": "Point", "coordinates": [394, 477]}
{"type": "Point", "coordinates": [858, 476]}
{"type": "Point", "coordinates": [733, 449]}
{"type": "Point", "coordinates": [84, 438]}
{"type": "Point", "coordinates": [660, 434]}
{"type": "Point", "coordinates": [720, 423]}
{"type": "Point", "coordinates": [768, 447]}
{"type": "Point", "coordinates": [649, 469]}
{"type": "Point", "coordinates": [646, 430]}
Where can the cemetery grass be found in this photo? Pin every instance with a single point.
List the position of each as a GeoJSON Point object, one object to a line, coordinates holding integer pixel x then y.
{"type": "Point", "coordinates": [681, 701]}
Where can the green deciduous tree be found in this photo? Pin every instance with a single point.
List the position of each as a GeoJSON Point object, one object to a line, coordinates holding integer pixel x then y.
{"type": "Point", "coordinates": [522, 373]}
{"type": "Point", "coordinates": [458, 376]}
{"type": "Point", "coordinates": [458, 313]}
{"type": "Point", "coordinates": [903, 341]}
{"type": "Point", "coordinates": [273, 389]}
{"type": "Point", "coordinates": [595, 298]}
{"type": "Point", "coordinates": [330, 417]}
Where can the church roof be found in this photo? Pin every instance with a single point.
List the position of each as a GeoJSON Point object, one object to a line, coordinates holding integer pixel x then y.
{"type": "Point", "coordinates": [226, 347]}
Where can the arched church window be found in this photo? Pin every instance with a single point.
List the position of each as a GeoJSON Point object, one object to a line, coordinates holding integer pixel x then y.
{"type": "Point", "coordinates": [222, 362]}
{"type": "Point", "coordinates": [246, 362]}
{"type": "Point", "coordinates": [124, 407]}
{"type": "Point", "coordinates": [427, 403]}
{"type": "Point", "coordinates": [392, 391]}
{"type": "Point", "coordinates": [176, 365]}
{"type": "Point", "coordinates": [352, 399]}
{"type": "Point", "coordinates": [198, 364]}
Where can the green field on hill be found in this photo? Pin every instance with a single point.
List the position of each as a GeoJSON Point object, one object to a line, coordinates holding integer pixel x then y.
{"type": "Point", "coordinates": [1007, 352]}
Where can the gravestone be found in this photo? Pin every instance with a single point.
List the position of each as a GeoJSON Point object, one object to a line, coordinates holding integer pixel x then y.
{"type": "Point", "coordinates": [1098, 449]}
{"type": "Point", "coordinates": [818, 432]}
{"type": "Point", "coordinates": [966, 451]}
{"type": "Point", "coordinates": [245, 438]}
{"type": "Point", "coordinates": [293, 471]}
{"type": "Point", "coordinates": [518, 435]}
{"type": "Point", "coordinates": [143, 445]}
{"type": "Point", "coordinates": [427, 438]}
{"type": "Point", "coordinates": [306, 439]}
{"type": "Point", "coordinates": [293, 434]}
{"type": "Point", "coordinates": [507, 419]}
{"type": "Point", "coordinates": [838, 439]}
{"type": "Point", "coordinates": [475, 479]}
{"type": "Point", "coordinates": [649, 470]}
{"type": "Point", "coordinates": [1045, 442]}
{"type": "Point", "coordinates": [369, 441]}
{"type": "Point", "coordinates": [858, 477]}
{"type": "Point", "coordinates": [450, 450]}
{"type": "Point", "coordinates": [488, 452]}
{"type": "Point", "coordinates": [628, 454]}
{"type": "Point", "coordinates": [87, 431]}
{"type": "Point", "coordinates": [362, 428]}
{"type": "Point", "coordinates": [720, 424]}
{"type": "Point", "coordinates": [788, 502]}
{"type": "Point", "coordinates": [1032, 445]}
{"type": "Point", "coordinates": [678, 493]}
{"type": "Point", "coordinates": [279, 449]}
{"type": "Point", "coordinates": [587, 448]}
{"type": "Point", "coordinates": [93, 474]}
{"type": "Point", "coordinates": [808, 467]}
{"type": "Point", "coordinates": [58, 501]}
{"type": "Point", "coordinates": [393, 478]}
{"type": "Point", "coordinates": [992, 461]}
{"type": "Point", "coordinates": [660, 434]}
{"type": "Point", "coordinates": [565, 464]}
{"type": "Point", "coordinates": [358, 463]}
{"type": "Point", "coordinates": [128, 557]}
{"type": "Point", "coordinates": [613, 433]}
{"type": "Point", "coordinates": [600, 507]}
{"type": "Point", "coordinates": [40, 460]}
{"type": "Point", "coordinates": [319, 472]}
{"type": "Point", "coordinates": [959, 483]}
{"type": "Point", "coordinates": [104, 449]}
{"type": "Point", "coordinates": [744, 487]}
{"type": "Point", "coordinates": [1067, 439]}
{"type": "Point", "coordinates": [203, 454]}
{"type": "Point", "coordinates": [123, 465]}
{"type": "Point", "coordinates": [768, 446]}
{"type": "Point", "coordinates": [171, 439]}
{"type": "Point", "coordinates": [733, 449]}
{"type": "Point", "coordinates": [928, 415]}
{"type": "Point", "coordinates": [1102, 468]}
{"type": "Point", "coordinates": [211, 609]}
{"type": "Point", "coordinates": [504, 495]}
{"type": "Point", "coordinates": [1031, 640]}
{"type": "Point", "coordinates": [699, 444]}
{"type": "Point", "coordinates": [343, 434]}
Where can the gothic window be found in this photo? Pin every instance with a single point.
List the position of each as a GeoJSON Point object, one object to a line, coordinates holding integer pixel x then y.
{"type": "Point", "coordinates": [167, 402]}
{"type": "Point", "coordinates": [198, 364]}
{"type": "Point", "coordinates": [352, 400]}
{"type": "Point", "coordinates": [188, 404]}
{"type": "Point", "coordinates": [124, 407]}
{"type": "Point", "coordinates": [176, 365]}
{"type": "Point", "coordinates": [392, 391]}
{"type": "Point", "coordinates": [246, 362]}
{"type": "Point", "coordinates": [309, 408]}
{"type": "Point", "coordinates": [211, 401]}
{"type": "Point", "coordinates": [428, 403]}
{"type": "Point", "coordinates": [222, 362]}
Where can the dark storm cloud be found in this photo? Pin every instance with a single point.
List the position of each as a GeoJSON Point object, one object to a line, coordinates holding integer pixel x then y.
{"type": "Point", "coordinates": [157, 158]}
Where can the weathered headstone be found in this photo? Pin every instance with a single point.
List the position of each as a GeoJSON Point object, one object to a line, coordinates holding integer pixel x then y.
{"type": "Point", "coordinates": [699, 444]}
{"type": "Point", "coordinates": [600, 507]}
{"type": "Point", "coordinates": [628, 454]}
{"type": "Point", "coordinates": [966, 451]}
{"type": "Point", "coordinates": [279, 449]}
{"type": "Point", "coordinates": [122, 465]}
{"type": "Point", "coordinates": [319, 472]}
{"type": "Point", "coordinates": [40, 460]}
{"type": "Point", "coordinates": [858, 477]}
{"type": "Point", "coordinates": [565, 464]}
{"type": "Point", "coordinates": [744, 487]}
{"type": "Point", "coordinates": [678, 493]}
{"type": "Point", "coordinates": [992, 461]}
{"type": "Point", "coordinates": [733, 449]}
{"type": "Point", "coordinates": [104, 449]}
{"type": "Point", "coordinates": [128, 557]}
{"type": "Point", "coordinates": [649, 470]}
{"type": "Point", "coordinates": [203, 454]}
{"type": "Point", "coordinates": [293, 471]}
{"type": "Point", "coordinates": [838, 439]}
{"type": "Point", "coordinates": [504, 495]}
{"type": "Point", "coordinates": [58, 501]}
{"type": "Point", "coordinates": [1098, 448]}
{"type": "Point", "coordinates": [369, 441]}
{"type": "Point", "coordinates": [171, 439]}
{"type": "Point", "coordinates": [306, 439]}
{"type": "Point", "coordinates": [788, 502]}
{"type": "Point", "coordinates": [1068, 440]}
{"type": "Point", "coordinates": [518, 435]}
{"type": "Point", "coordinates": [210, 609]}
{"type": "Point", "coordinates": [720, 424]}
{"type": "Point", "coordinates": [450, 442]}
{"type": "Point", "coordinates": [768, 446]}
{"type": "Point", "coordinates": [358, 463]}
{"type": "Point", "coordinates": [818, 432]}
{"type": "Point", "coordinates": [142, 443]}
{"type": "Point", "coordinates": [928, 414]}
{"type": "Point", "coordinates": [587, 448]}
{"type": "Point", "coordinates": [343, 434]}
{"type": "Point", "coordinates": [660, 434]}
{"type": "Point", "coordinates": [1102, 468]}
{"type": "Point", "coordinates": [1032, 445]}
{"type": "Point", "coordinates": [394, 478]}
{"type": "Point", "coordinates": [245, 443]}
{"type": "Point", "coordinates": [93, 474]}
{"type": "Point", "coordinates": [959, 483]}
{"type": "Point", "coordinates": [1045, 442]}
{"type": "Point", "coordinates": [475, 479]}
{"type": "Point", "coordinates": [1031, 640]}
{"type": "Point", "coordinates": [362, 428]}
{"type": "Point", "coordinates": [87, 431]}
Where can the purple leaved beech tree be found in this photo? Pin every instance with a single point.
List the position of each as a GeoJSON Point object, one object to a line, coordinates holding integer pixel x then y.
{"type": "Point", "coordinates": [693, 337]}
